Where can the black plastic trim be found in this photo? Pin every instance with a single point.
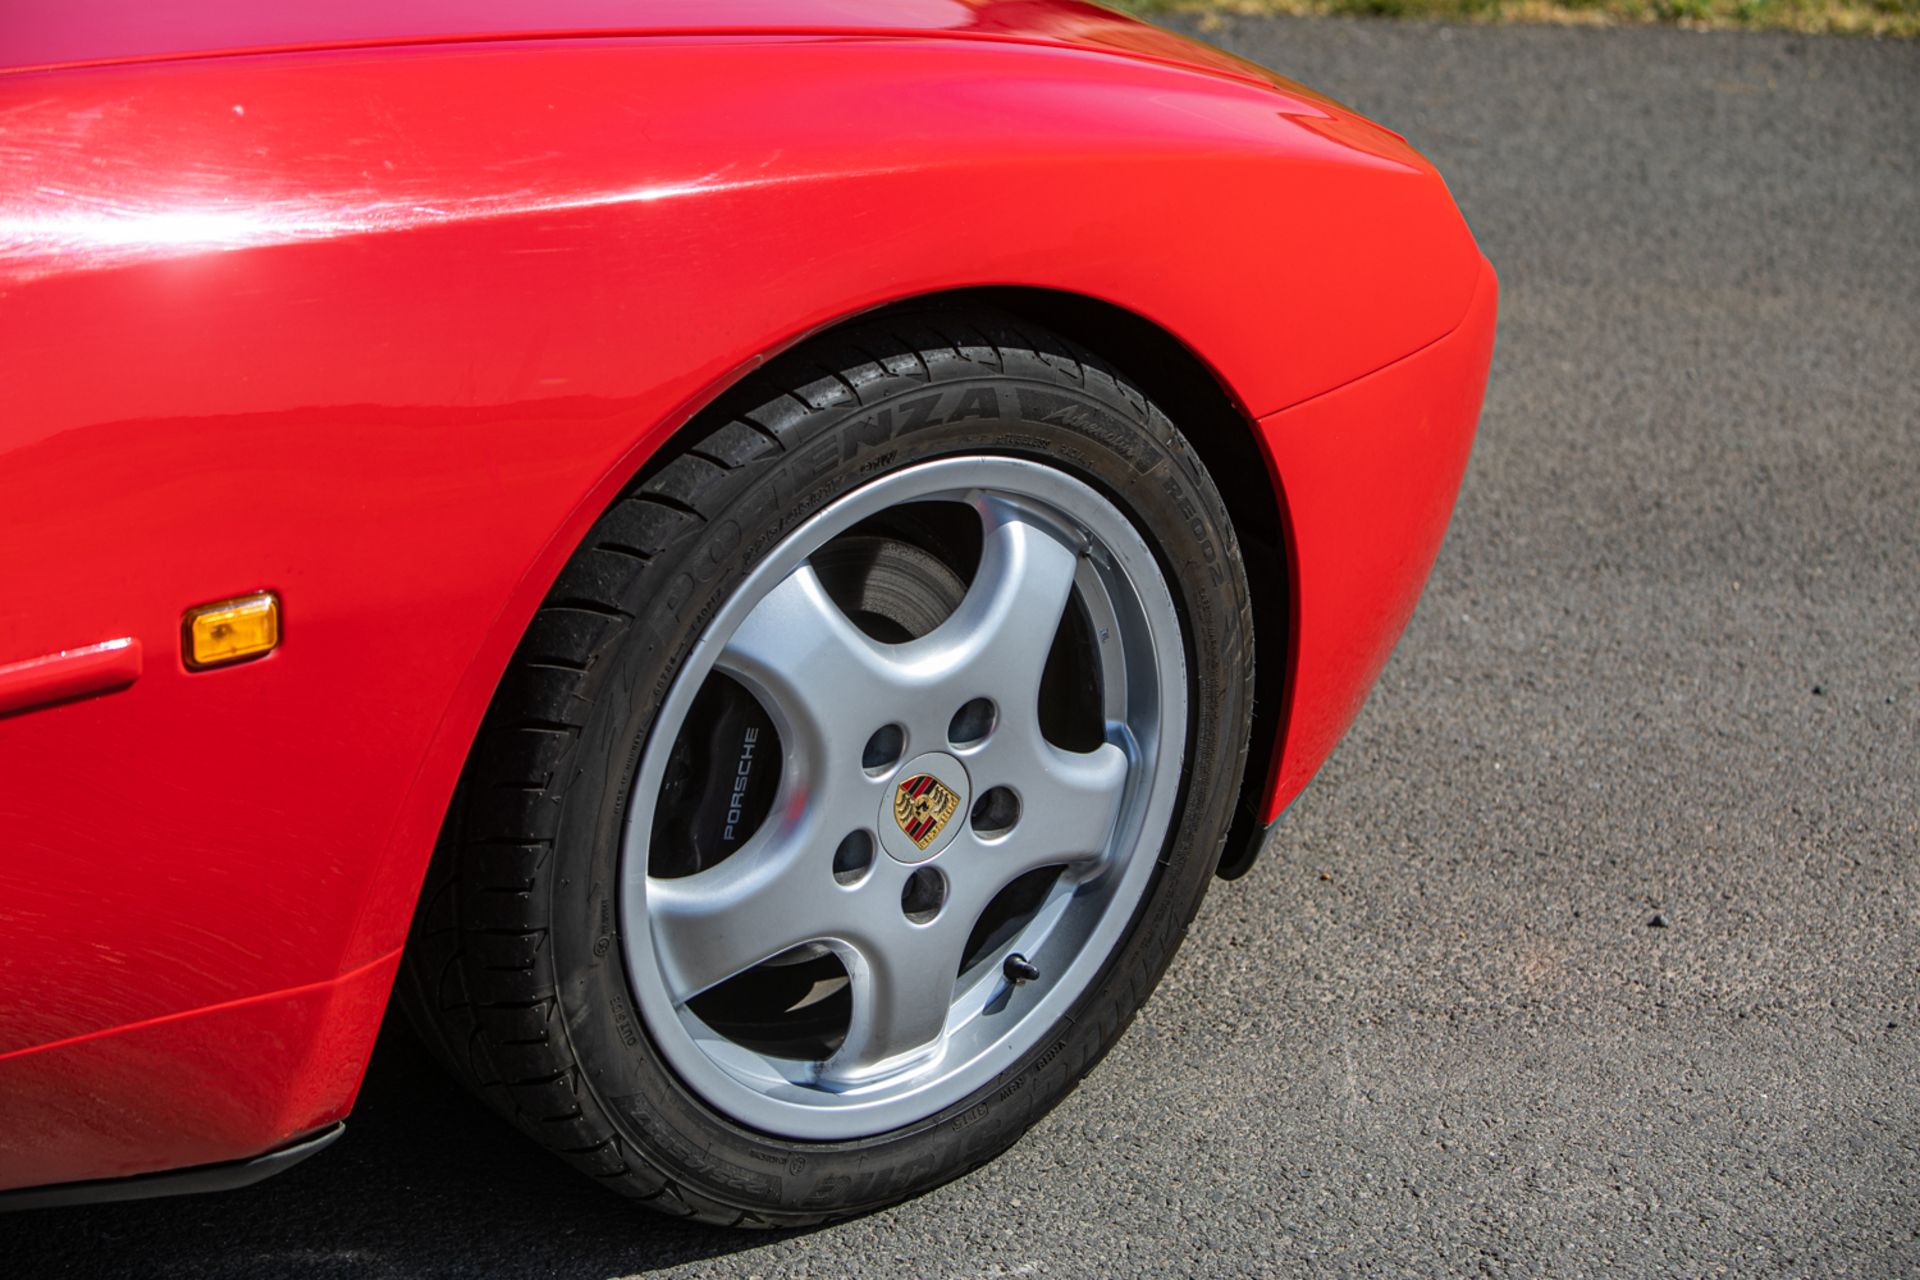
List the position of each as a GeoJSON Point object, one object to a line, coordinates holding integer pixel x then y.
{"type": "Point", "coordinates": [173, 1182]}
{"type": "Point", "coordinates": [1246, 837]}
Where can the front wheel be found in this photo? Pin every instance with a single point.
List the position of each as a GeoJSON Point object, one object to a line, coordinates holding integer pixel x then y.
{"type": "Point", "coordinates": [855, 783]}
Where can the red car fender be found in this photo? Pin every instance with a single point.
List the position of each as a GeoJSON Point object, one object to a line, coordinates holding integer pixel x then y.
{"type": "Point", "coordinates": [384, 330]}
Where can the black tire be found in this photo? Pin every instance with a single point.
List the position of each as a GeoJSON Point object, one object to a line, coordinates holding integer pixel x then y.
{"type": "Point", "coordinates": [514, 971]}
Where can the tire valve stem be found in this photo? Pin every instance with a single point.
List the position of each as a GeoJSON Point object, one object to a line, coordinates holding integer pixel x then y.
{"type": "Point", "coordinates": [1019, 969]}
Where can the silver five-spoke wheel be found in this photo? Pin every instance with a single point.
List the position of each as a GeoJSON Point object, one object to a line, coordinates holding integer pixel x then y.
{"type": "Point", "coordinates": [965, 691]}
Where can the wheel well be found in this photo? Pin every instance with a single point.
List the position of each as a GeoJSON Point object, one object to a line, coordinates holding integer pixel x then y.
{"type": "Point", "coordinates": [1180, 383]}
{"type": "Point", "coordinates": [1177, 380]}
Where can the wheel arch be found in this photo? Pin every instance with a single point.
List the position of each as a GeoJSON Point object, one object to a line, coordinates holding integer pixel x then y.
{"type": "Point", "coordinates": [1221, 431]}
{"type": "Point", "coordinates": [1171, 373]}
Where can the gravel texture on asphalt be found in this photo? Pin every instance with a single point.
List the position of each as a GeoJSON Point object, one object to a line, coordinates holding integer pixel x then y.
{"type": "Point", "coordinates": [1594, 949]}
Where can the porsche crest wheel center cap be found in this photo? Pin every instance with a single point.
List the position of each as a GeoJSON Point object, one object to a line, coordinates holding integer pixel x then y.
{"type": "Point", "coordinates": [925, 804]}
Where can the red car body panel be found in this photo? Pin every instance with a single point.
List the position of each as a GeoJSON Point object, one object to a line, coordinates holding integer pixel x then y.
{"type": "Point", "coordinates": [1368, 474]}
{"type": "Point", "coordinates": [383, 329]}
{"type": "Point", "coordinates": [43, 34]}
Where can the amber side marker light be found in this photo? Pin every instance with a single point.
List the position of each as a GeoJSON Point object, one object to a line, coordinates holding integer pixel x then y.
{"type": "Point", "coordinates": [229, 631]}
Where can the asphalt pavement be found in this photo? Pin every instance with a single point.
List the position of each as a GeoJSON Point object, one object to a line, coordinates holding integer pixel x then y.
{"type": "Point", "coordinates": [1594, 950]}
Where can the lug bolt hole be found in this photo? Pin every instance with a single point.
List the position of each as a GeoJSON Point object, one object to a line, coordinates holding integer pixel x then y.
{"type": "Point", "coordinates": [995, 812]}
{"type": "Point", "coordinates": [854, 858]}
{"type": "Point", "coordinates": [925, 893]}
{"type": "Point", "coordinates": [884, 749]}
{"type": "Point", "coordinates": [972, 724]}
